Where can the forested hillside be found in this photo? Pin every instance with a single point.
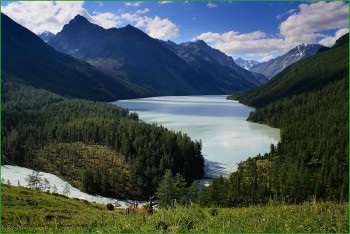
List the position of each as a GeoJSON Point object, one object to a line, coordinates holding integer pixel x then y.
{"type": "Point", "coordinates": [99, 147]}
{"type": "Point", "coordinates": [309, 102]}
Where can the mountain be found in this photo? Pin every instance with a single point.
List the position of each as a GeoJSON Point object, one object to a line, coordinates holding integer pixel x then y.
{"type": "Point", "coordinates": [129, 53]}
{"type": "Point", "coordinates": [133, 55]}
{"type": "Point", "coordinates": [341, 41]}
{"type": "Point", "coordinates": [29, 60]}
{"type": "Point", "coordinates": [46, 36]}
{"type": "Point", "coordinates": [215, 66]}
{"type": "Point", "coordinates": [276, 65]}
{"type": "Point", "coordinates": [246, 64]}
{"type": "Point", "coordinates": [119, 156]}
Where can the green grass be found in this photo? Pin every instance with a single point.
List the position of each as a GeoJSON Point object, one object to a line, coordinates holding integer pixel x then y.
{"type": "Point", "coordinates": [25, 210]}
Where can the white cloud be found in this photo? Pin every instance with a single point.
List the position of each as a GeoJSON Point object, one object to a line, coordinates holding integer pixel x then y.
{"type": "Point", "coordinates": [155, 27]}
{"type": "Point", "coordinates": [284, 14]}
{"type": "Point", "coordinates": [140, 12]}
{"type": "Point", "coordinates": [105, 20]}
{"type": "Point", "coordinates": [243, 43]}
{"type": "Point", "coordinates": [133, 4]}
{"type": "Point", "coordinates": [211, 5]}
{"type": "Point", "coordinates": [329, 41]}
{"type": "Point", "coordinates": [279, 16]}
{"type": "Point", "coordinates": [308, 24]}
{"type": "Point", "coordinates": [43, 16]}
{"type": "Point", "coordinates": [291, 11]}
{"type": "Point", "coordinates": [162, 28]}
{"type": "Point", "coordinates": [266, 58]}
{"type": "Point", "coordinates": [164, 2]}
{"type": "Point", "coordinates": [52, 16]}
{"type": "Point", "coordinates": [304, 26]}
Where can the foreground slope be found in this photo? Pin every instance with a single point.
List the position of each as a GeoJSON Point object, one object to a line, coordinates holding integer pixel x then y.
{"type": "Point", "coordinates": [30, 211]}
{"type": "Point", "coordinates": [309, 102]}
{"type": "Point", "coordinates": [29, 60]}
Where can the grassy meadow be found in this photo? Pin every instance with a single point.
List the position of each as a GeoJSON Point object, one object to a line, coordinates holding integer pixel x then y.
{"type": "Point", "coordinates": [25, 210]}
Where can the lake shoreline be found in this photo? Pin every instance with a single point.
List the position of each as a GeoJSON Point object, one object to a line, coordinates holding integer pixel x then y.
{"type": "Point", "coordinates": [227, 137]}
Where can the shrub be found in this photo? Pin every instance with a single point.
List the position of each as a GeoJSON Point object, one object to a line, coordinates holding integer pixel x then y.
{"type": "Point", "coordinates": [59, 195]}
{"type": "Point", "coordinates": [110, 206]}
{"type": "Point", "coordinates": [213, 211]}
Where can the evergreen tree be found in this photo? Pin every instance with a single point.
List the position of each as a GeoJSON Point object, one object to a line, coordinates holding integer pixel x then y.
{"type": "Point", "coordinates": [166, 192]}
{"type": "Point", "coordinates": [34, 180]}
{"type": "Point", "coordinates": [46, 185]}
{"type": "Point", "coordinates": [66, 190]}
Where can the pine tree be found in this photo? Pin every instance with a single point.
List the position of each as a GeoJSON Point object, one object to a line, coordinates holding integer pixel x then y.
{"type": "Point", "coordinates": [46, 185]}
{"type": "Point", "coordinates": [192, 192]}
{"type": "Point", "coordinates": [66, 190]}
{"type": "Point", "coordinates": [54, 189]}
{"type": "Point", "coordinates": [34, 180]}
{"type": "Point", "coordinates": [167, 191]}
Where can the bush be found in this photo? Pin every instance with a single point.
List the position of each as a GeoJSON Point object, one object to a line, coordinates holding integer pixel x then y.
{"type": "Point", "coordinates": [213, 211]}
{"type": "Point", "coordinates": [59, 195]}
{"type": "Point", "coordinates": [110, 206]}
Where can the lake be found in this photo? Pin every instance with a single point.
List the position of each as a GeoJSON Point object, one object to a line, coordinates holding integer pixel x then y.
{"type": "Point", "coordinates": [227, 138]}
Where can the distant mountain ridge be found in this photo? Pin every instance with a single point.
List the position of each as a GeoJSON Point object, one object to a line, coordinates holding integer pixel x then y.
{"type": "Point", "coordinates": [132, 55]}
{"type": "Point", "coordinates": [46, 36]}
{"type": "Point", "coordinates": [246, 64]}
{"type": "Point", "coordinates": [214, 64]}
{"type": "Point", "coordinates": [29, 60]}
{"type": "Point", "coordinates": [276, 65]}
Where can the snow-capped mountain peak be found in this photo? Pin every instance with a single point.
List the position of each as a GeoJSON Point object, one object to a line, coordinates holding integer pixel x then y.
{"type": "Point", "coordinates": [276, 65]}
{"type": "Point", "coordinates": [45, 36]}
{"type": "Point", "coordinates": [246, 64]}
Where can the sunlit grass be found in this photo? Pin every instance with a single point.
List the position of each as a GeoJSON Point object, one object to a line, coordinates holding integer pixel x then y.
{"type": "Point", "coordinates": [25, 210]}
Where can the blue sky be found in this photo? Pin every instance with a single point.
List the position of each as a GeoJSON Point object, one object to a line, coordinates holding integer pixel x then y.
{"type": "Point", "coordinates": [252, 30]}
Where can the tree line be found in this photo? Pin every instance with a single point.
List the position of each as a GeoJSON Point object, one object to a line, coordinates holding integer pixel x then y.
{"type": "Point", "coordinates": [35, 120]}
{"type": "Point", "coordinates": [309, 103]}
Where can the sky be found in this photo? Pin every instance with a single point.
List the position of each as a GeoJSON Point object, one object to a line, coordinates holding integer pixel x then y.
{"type": "Point", "coordinates": [251, 30]}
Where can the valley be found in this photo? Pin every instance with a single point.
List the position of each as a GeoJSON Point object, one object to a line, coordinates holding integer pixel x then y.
{"type": "Point", "coordinates": [137, 101]}
{"type": "Point", "coordinates": [218, 123]}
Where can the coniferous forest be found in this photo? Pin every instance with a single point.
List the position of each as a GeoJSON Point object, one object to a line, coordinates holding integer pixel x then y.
{"type": "Point", "coordinates": [104, 149]}
{"type": "Point", "coordinates": [111, 170]}
{"type": "Point", "coordinates": [101, 148]}
{"type": "Point", "coordinates": [309, 103]}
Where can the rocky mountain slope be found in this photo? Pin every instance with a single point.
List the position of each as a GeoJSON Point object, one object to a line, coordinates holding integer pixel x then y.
{"type": "Point", "coordinates": [246, 64]}
{"type": "Point", "coordinates": [215, 65]}
{"type": "Point", "coordinates": [133, 55]}
{"type": "Point", "coordinates": [276, 65]}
